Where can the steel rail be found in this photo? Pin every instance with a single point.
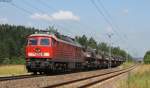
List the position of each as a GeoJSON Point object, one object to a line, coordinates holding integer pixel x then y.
{"type": "Point", "coordinates": [19, 77]}
{"type": "Point", "coordinates": [90, 77]}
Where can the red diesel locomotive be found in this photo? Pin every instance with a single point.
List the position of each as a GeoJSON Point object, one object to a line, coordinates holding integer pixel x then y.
{"type": "Point", "coordinates": [49, 52]}
{"type": "Point", "coordinates": [46, 52]}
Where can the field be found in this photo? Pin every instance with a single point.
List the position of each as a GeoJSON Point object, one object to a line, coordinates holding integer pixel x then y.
{"type": "Point", "coordinates": [138, 79]}
{"type": "Point", "coordinates": [12, 70]}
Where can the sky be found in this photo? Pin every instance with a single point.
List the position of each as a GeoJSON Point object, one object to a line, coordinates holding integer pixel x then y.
{"type": "Point", "coordinates": [128, 21]}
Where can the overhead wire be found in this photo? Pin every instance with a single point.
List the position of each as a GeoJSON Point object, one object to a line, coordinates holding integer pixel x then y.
{"type": "Point", "coordinates": [105, 18]}
{"type": "Point", "coordinates": [54, 9]}
{"type": "Point", "coordinates": [45, 4]}
{"type": "Point", "coordinates": [81, 25]}
{"type": "Point", "coordinates": [109, 20]}
{"type": "Point", "coordinates": [110, 17]}
{"type": "Point", "coordinates": [25, 9]}
{"type": "Point", "coordinates": [31, 13]}
{"type": "Point", "coordinates": [124, 36]}
{"type": "Point", "coordinates": [21, 8]}
{"type": "Point", "coordinates": [27, 3]}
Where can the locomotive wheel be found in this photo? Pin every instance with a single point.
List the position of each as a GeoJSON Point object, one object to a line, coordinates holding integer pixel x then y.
{"type": "Point", "coordinates": [41, 73]}
{"type": "Point", "coordinates": [35, 73]}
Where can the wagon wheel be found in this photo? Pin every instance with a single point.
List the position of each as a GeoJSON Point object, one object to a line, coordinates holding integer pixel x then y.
{"type": "Point", "coordinates": [35, 73]}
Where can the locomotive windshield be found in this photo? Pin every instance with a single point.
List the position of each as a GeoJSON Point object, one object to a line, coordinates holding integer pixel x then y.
{"type": "Point", "coordinates": [39, 41]}
{"type": "Point", "coordinates": [33, 42]}
{"type": "Point", "coordinates": [44, 42]}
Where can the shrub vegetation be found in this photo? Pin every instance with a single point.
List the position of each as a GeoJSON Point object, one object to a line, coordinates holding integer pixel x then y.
{"type": "Point", "coordinates": [147, 58]}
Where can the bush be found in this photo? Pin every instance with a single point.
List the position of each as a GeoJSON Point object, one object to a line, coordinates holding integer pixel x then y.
{"type": "Point", "coordinates": [13, 60]}
{"type": "Point", "coordinates": [147, 58]}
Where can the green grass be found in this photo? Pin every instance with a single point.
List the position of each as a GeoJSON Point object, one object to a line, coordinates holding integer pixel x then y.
{"type": "Point", "coordinates": [12, 70]}
{"type": "Point", "coordinates": [139, 79]}
{"type": "Point", "coordinates": [126, 64]}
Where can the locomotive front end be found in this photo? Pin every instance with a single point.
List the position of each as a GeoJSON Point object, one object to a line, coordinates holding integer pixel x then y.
{"type": "Point", "coordinates": [38, 53]}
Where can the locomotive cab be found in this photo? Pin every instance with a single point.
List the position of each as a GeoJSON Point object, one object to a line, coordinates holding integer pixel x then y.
{"type": "Point", "coordinates": [38, 47]}
{"type": "Point", "coordinates": [39, 52]}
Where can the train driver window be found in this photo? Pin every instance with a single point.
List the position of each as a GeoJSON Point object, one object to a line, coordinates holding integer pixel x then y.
{"type": "Point", "coordinates": [32, 41]}
{"type": "Point", "coordinates": [44, 41]}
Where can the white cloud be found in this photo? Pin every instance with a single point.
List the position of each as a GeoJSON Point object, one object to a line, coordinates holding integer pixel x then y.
{"type": "Point", "coordinates": [3, 20]}
{"type": "Point", "coordinates": [60, 15]}
{"type": "Point", "coordinates": [64, 15]}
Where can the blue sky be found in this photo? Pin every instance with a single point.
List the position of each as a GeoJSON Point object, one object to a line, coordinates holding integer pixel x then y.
{"type": "Point", "coordinates": [78, 17]}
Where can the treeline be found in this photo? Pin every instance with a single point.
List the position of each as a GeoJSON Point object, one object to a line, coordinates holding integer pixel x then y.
{"type": "Point", "coordinates": [12, 43]}
{"type": "Point", "coordinates": [102, 47]}
{"type": "Point", "coordinates": [13, 40]}
{"type": "Point", "coordinates": [147, 57]}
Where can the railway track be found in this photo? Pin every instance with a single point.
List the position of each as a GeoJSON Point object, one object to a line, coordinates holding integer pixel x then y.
{"type": "Point", "coordinates": [18, 77]}
{"type": "Point", "coordinates": [73, 82]}
{"type": "Point", "coordinates": [8, 78]}
{"type": "Point", "coordinates": [90, 81]}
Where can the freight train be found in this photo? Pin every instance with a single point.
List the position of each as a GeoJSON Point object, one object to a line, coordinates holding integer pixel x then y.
{"type": "Point", "coordinates": [47, 53]}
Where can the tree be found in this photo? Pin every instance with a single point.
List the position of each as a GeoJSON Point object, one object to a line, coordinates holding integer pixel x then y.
{"type": "Point", "coordinates": [52, 30]}
{"type": "Point", "coordinates": [12, 42]}
{"type": "Point", "coordinates": [92, 43]}
{"type": "Point", "coordinates": [82, 40]}
{"type": "Point", "coordinates": [116, 50]}
{"type": "Point", "coordinates": [103, 47]}
{"type": "Point", "coordinates": [147, 57]}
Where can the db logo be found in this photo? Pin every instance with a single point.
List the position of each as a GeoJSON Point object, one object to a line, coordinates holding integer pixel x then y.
{"type": "Point", "coordinates": [37, 50]}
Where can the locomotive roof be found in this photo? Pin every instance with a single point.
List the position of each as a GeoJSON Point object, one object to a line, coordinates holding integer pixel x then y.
{"type": "Point", "coordinates": [67, 40]}
{"type": "Point", "coordinates": [46, 35]}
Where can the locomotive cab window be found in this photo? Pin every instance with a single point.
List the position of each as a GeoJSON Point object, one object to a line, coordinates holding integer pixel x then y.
{"type": "Point", "coordinates": [44, 41]}
{"type": "Point", "coordinates": [32, 41]}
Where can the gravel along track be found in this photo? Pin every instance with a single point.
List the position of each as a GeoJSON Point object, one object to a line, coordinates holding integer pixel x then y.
{"type": "Point", "coordinates": [89, 81]}
{"type": "Point", "coordinates": [52, 80]}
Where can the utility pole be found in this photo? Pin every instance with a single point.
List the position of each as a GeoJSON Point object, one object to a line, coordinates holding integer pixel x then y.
{"type": "Point", "coordinates": [127, 57]}
{"type": "Point", "coordinates": [109, 36]}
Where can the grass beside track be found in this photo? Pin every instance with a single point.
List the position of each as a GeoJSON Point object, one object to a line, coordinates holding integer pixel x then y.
{"type": "Point", "coordinates": [12, 70]}
{"type": "Point", "coordinates": [126, 64]}
{"type": "Point", "coordinates": [7, 70]}
{"type": "Point", "coordinates": [138, 79]}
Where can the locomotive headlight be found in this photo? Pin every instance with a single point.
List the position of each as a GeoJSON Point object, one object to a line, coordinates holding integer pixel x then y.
{"type": "Point", "coordinates": [46, 54]}
{"type": "Point", "coordinates": [31, 54]}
